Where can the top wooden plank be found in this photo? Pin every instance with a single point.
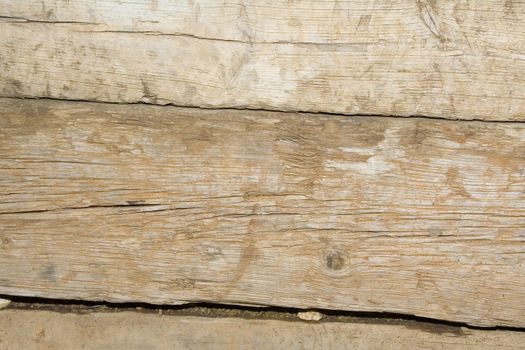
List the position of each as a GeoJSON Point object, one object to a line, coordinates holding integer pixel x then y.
{"type": "Point", "coordinates": [452, 59]}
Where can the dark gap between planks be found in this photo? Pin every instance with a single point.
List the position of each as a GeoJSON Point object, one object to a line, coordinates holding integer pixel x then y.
{"type": "Point", "coordinates": [248, 312]}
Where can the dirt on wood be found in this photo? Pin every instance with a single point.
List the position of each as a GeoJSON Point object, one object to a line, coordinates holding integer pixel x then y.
{"type": "Point", "coordinates": [42, 324]}
{"type": "Point", "coordinates": [249, 313]}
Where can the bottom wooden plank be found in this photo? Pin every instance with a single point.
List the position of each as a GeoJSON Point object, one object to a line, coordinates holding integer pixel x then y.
{"type": "Point", "coordinates": [39, 330]}
{"type": "Point", "coordinates": [171, 205]}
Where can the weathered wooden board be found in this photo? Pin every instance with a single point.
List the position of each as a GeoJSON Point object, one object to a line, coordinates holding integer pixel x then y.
{"type": "Point", "coordinates": [453, 59]}
{"type": "Point", "coordinates": [35, 330]}
{"type": "Point", "coordinates": [173, 205]}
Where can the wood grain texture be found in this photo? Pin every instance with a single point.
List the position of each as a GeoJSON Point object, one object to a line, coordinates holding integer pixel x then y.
{"type": "Point", "coordinates": [44, 330]}
{"type": "Point", "coordinates": [452, 59]}
{"type": "Point", "coordinates": [174, 205]}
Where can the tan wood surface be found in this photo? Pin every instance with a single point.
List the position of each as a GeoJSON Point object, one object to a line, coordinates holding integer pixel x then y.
{"type": "Point", "coordinates": [43, 330]}
{"type": "Point", "coordinates": [173, 205]}
{"type": "Point", "coordinates": [452, 59]}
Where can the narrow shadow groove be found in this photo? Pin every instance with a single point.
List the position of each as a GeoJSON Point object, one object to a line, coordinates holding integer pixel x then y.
{"type": "Point", "coordinates": [205, 309]}
{"type": "Point", "coordinates": [247, 108]}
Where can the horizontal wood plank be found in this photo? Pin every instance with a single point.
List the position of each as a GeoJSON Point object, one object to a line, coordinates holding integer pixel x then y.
{"type": "Point", "coordinates": [451, 59]}
{"type": "Point", "coordinates": [174, 205]}
{"type": "Point", "coordinates": [27, 329]}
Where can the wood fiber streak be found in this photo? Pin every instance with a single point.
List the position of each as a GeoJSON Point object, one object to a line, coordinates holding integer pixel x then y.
{"type": "Point", "coordinates": [448, 59]}
{"type": "Point", "coordinates": [174, 205]}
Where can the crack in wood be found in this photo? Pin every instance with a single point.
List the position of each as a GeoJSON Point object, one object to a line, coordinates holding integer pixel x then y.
{"type": "Point", "coordinates": [276, 110]}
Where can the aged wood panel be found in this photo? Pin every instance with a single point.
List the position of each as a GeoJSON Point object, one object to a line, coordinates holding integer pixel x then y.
{"type": "Point", "coordinates": [452, 59]}
{"type": "Point", "coordinates": [26, 329]}
{"type": "Point", "coordinates": [277, 21]}
{"type": "Point", "coordinates": [174, 205]}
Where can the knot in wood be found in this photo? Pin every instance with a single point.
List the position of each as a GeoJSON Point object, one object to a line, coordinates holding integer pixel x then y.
{"type": "Point", "coordinates": [5, 241]}
{"type": "Point", "coordinates": [336, 260]}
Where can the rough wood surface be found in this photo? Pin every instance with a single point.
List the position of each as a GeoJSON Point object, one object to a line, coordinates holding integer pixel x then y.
{"type": "Point", "coordinates": [173, 205]}
{"type": "Point", "coordinates": [35, 330]}
{"type": "Point", "coordinates": [453, 59]}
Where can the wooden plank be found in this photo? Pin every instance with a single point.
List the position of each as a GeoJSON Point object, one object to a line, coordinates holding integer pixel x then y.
{"type": "Point", "coordinates": [26, 329]}
{"type": "Point", "coordinates": [453, 59]}
{"type": "Point", "coordinates": [174, 205]}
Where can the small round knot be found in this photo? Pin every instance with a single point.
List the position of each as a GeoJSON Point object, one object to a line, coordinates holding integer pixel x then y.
{"type": "Point", "coordinates": [336, 260]}
{"type": "Point", "coordinates": [5, 241]}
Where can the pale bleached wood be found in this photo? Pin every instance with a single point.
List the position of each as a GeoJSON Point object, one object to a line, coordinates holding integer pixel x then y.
{"type": "Point", "coordinates": [452, 59]}
{"type": "Point", "coordinates": [303, 21]}
{"type": "Point", "coordinates": [170, 205]}
{"type": "Point", "coordinates": [35, 330]}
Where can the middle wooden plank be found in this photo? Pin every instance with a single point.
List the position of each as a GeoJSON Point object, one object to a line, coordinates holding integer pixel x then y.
{"type": "Point", "coordinates": [169, 205]}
